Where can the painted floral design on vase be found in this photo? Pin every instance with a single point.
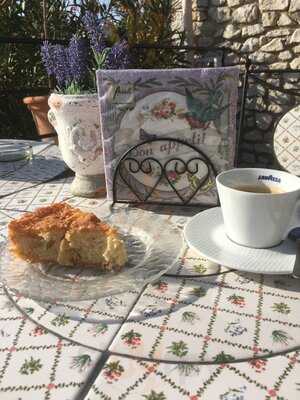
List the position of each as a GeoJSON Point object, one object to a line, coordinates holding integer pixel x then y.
{"type": "Point", "coordinates": [77, 122]}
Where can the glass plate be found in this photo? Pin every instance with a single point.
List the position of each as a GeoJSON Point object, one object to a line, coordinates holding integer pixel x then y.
{"type": "Point", "coordinates": [14, 151]}
{"type": "Point", "coordinates": [153, 246]}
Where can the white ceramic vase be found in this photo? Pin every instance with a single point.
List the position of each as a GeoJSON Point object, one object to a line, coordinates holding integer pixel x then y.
{"type": "Point", "coordinates": [77, 122]}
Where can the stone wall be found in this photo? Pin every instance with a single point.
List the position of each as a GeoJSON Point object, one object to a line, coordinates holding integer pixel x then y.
{"type": "Point", "coordinates": [268, 32]}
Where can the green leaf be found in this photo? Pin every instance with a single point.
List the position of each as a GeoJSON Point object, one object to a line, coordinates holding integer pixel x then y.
{"type": "Point", "coordinates": [223, 358]}
{"type": "Point", "coordinates": [179, 349]}
{"type": "Point", "coordinates": [154, 396]}
{"type": "Point", "coordinates": [280, 336]}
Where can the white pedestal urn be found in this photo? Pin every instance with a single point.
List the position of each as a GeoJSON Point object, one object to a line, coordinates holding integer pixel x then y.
{"type": "Point", "coordinates": [77, 122]}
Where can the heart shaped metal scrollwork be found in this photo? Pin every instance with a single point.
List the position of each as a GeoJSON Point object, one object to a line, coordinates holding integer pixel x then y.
{"type": "Point", "coordinates": [132, 166]}
{"type": "Point", "coordinates": [148, 178]}
{"type": "Point", "coordinates": [190, 169]}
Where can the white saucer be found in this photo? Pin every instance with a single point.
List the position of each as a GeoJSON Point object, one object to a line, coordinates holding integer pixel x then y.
{"type": "Point", "coordinates": [206, 233]}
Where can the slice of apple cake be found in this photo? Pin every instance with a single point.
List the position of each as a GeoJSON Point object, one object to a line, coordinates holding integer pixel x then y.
{"type": "Point", "coordinates": [68, 236]}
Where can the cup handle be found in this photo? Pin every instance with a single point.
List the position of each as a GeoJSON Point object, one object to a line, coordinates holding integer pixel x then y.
{"type": "Point", "coordinates": [295, 220]}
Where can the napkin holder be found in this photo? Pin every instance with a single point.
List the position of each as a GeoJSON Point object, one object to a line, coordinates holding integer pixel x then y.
{"type": "Point", "coordinates": [128, 163]}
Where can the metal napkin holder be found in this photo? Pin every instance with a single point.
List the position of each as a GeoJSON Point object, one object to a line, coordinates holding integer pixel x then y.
{"type": "Point", "coordinates": [130, 165]}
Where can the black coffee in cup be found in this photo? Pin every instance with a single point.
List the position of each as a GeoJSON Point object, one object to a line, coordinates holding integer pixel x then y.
{"type": "Point", "coordinates": [259, 189]}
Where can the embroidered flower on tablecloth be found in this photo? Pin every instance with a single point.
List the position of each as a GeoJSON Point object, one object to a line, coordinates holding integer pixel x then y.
{"type": "Point", "coordinates": [282, 308]}
{"type": "Point", "coordinates": [60, 320]}
{"type": "Point", "coordinates": [234, 394]}
{"type": "Point", "coordinates": [237, 300]}
{"type": "Point", "coordinates": [113, 301]}
{"type": "Point", "coordinates": [242, 279]}
{"type": "Point", "coordinates": [235, 328]}
{"type": "Point", "coordinates": [38, 331]}
{"type": "Point", "coordinates": [188, 369]}
{"type": "Point", "coordinates": [81, 362]}
{"type": "Point", "coordinates": [113, 371]}
{"type": "Point", "coordinates": [161, 286]}
{"type": "Point", "coordinates": [30, 366]}
{"type": "Point", "coordinates": [199, 268]}
{"type": "Point", "coordinates": [258, 364]}
{"type": "Point", "coordinates": [98, 329]}
{"type": "Point", "coordinates": [223, 358]}
{"type": "Point", "coordinates": [179, 349]}
{"type": "Point", "coordinates": [155, 396]}
{"type": "Point", "coordinates": [150, 311]}
{"type": "Point", "coordinates": [132, 338]}
{"type": "Point", "coordinates": [189, 317]}
{"type": "Point", "coordinates": [280, 336]}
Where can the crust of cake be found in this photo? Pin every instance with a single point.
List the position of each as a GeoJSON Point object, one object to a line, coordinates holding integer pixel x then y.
{"type": "Point", "coordinates": [68, 236]}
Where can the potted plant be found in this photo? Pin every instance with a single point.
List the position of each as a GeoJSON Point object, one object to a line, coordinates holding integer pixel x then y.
{"type": "Point", "coordinates": [38, 105]}
{"type": "Point", "coordinates": [74, 105]}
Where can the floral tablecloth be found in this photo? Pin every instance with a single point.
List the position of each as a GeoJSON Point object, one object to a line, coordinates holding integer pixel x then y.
{"type": "Point", "coordinates": [201, 332]}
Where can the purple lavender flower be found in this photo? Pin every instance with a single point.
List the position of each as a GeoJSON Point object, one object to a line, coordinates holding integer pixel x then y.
{"type": "Point", "coordinates": [94, 28]}
{"type": "Point", "coordinates": [77, 58]}
{"type": "Point", "coordinates": [118, 57]}
{"type": "Point", "coordinates": [47, 52]}
{"type": "Point", "coordinates": [62, 66]}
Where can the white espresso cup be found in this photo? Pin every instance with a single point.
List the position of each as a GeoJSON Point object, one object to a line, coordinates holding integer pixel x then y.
{"type": "Point", "coordinates": [257, 219]}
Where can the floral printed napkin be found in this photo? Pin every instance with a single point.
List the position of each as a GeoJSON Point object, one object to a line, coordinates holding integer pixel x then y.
{"type": "Point", "coordinates": [197, 106]}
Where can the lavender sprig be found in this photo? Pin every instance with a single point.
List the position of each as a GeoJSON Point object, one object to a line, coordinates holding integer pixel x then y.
{"type": "Point", "coordinates": [47, 53]}
{"type": "Point", "coordinates": [115, 57]}
{"type": "Point", "coordinates": [62, 68]}
{"type": "Point", "coordinates": [94, 28]}
{"type": "Point", "coordinates": [118, 57]}
{"type": "Point", "coordinates": [69, 65]}
{"type": "Point", "coordinates": [77, 59]}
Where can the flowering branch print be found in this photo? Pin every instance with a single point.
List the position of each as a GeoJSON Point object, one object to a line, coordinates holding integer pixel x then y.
{"type": "Point", "coordinates": [81, 362]}
{"type": "Point", "coordinates": [223, 357]}
{"type": "Point", "coordinates": [155, 396]}
{"type": "Point", "coordinates": [234, 394]}
{"type": "Point", "coordinates": [38, 331]}
{"type": "Point", "coordinates": [98, 329]}
{"type": "Point", "coordinates": [113, 371]}
{"type": "Point", "coordinates": [30, 366]}
{"type": "Point", "coordinates": [237, 300]}
{"type": "Point", "coordinates": [60, 320]}
{"type": "Point", "coordinates": [188, 369]}
{"type": "Point", "coordinates": [179, 349]}
{"type": "Point", "coordinates": [258, 364]}
{"type": "Point", "coordinates": [282, 308]}
{"type": "Point", "coordinates": [160, 286]}
{"type": "Point", "coordinates": [280, 336]}
{"type": "Point", "coordinates": [199, 268]}
{"type": "Point", "coordinates": [132, 338]}
{"type": "Point", "coordinates": [189, 316]}
{"type": "Point", "coordinates": [235, 328]}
